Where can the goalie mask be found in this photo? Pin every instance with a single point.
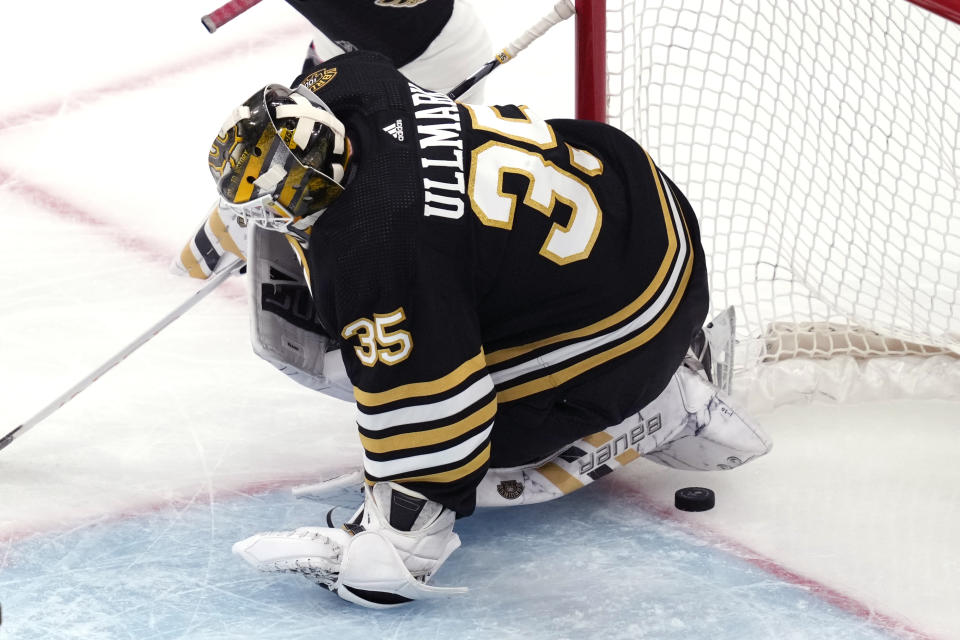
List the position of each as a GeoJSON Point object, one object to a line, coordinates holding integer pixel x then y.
{"type": "Point", "coordinates": [279, 160]}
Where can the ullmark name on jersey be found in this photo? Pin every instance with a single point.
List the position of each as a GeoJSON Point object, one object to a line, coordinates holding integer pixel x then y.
{"type": "Point", "coordinates": [395, 130]}
{"type": "Point", "coordinates": [441, 152]}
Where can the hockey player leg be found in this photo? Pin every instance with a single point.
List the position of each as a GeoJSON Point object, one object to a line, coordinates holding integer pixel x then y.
{"type": "Point", "coordinates": [385, 556]}
{"type": "Point", "coordinates": [690, 425]}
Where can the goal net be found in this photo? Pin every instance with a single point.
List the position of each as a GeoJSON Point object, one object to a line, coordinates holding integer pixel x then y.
{"type": "Point", "coordinates": [819, 143]}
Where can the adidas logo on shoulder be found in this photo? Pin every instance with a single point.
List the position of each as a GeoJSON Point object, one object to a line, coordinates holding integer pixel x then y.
{"type": "Point", "coordinates": [395, 130]}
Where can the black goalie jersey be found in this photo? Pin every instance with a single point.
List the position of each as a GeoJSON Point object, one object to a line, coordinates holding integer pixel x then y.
{"type": "Point", "coordinates": [501, 285]}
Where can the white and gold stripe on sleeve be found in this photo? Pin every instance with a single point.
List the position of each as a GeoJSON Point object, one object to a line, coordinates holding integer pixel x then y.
{"type": "Point", "coordinates": [432, 431]}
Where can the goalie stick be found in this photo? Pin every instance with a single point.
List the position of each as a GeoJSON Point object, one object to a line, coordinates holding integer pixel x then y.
{"type": "Point", "coordinates": [226, 13]}
{"type": "Point", "coordinates": [215, 281]}
{"type": "Point", "coordinates": [560, 12]}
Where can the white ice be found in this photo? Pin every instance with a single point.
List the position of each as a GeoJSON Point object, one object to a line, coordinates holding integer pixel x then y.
{"type": "Point", "coordinates": [118, 511]}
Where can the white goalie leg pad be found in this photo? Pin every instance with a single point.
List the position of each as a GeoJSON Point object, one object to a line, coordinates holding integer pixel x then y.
{"type": "Point", "coordinates": [691, 425]}
{"type": "Point", "coordinates": [713, 435]}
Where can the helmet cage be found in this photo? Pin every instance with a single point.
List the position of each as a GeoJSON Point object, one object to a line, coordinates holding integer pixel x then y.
{"type": "Point", "coordinates": [269, 214]}
{"type": "Point", "coordinates": [279, 159]}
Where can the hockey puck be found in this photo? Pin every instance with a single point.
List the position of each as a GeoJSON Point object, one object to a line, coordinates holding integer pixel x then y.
{"type": "Point", "coordinates": [694, 499]}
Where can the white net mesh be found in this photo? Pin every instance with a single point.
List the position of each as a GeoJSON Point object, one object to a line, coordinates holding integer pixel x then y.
{"type": "Point", "coordinates": [819, 143]}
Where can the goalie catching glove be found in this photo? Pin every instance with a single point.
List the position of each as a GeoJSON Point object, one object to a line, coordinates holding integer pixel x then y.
{"type": "Point", "coordinates": [383, 557]}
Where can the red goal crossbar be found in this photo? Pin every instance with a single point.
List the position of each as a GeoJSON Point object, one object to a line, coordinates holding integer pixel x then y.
{"type": "Point", "coordinates": [949, 9]}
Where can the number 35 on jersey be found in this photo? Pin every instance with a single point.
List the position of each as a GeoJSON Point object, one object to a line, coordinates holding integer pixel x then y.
{"type": "Point", "coordinates": [547, 183]}
{"type": "Point", "coordinates": [380, 340]}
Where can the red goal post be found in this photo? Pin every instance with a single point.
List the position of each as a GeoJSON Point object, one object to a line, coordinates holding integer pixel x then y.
{"type": "Point", "coordinates": [949, 9]}
{"type": "Point", "coordinates": [819, 143]}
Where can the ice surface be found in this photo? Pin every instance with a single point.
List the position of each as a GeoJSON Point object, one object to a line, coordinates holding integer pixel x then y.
{"type": "Point", "coordinates": [117, 513]}
{"type": "Point", "coordinates": [580, 567]}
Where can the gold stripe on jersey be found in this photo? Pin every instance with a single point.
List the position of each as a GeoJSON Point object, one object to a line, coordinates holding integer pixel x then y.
{"type": "Point", "coordinates": [503, 355]}
{"type": "Point", "coordinates": [450, 475]}
{"type": "Point", "coordinates": [421, 389]}
{"type": "Point", "coordinates": [562, 376]}
{"type": "Point", "coordinates": [431, 436]}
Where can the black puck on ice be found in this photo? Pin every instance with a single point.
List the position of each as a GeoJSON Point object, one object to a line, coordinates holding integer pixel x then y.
{"type": "Point", "coordinates": [694, 499]}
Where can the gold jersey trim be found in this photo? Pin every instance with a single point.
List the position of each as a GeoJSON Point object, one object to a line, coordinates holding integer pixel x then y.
{"type": "Point", "coordinates": [421, 389]}
{"type": "Point", "coordinates": [558, 378]}
{"type": "Point", "coordinates": [431, 436]}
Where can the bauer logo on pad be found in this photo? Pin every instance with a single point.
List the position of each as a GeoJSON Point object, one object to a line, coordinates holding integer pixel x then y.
{"type": "Point", "coordinates": [319, 78]}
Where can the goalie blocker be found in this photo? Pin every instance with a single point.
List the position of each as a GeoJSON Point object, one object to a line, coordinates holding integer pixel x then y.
{"type": "Point", "coordinates": [284, 328]}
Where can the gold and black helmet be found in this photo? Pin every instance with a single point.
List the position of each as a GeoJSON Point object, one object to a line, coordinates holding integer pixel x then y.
{"type": "Point", "coordinates": [279, 159]}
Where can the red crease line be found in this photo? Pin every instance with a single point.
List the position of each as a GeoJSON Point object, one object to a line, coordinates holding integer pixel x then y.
{"type": "Point", "coordinates": [830, 595]}
{"type": "Point", "coordinates": [147, 78]}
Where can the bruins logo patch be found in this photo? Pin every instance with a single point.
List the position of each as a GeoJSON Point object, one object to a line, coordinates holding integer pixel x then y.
{"type": "Point", "coordinates": [319, 78]}
{"type": "Point", "coordinates": [510, 489]}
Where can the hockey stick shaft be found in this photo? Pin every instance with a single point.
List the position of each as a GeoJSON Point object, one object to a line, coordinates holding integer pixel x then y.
{"type": "Point", "coordinates": [226, 13]}
{"type": "Point", "coordinates": [560, 12]}
{"type": "Point", "coordinates": [215, 281]}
